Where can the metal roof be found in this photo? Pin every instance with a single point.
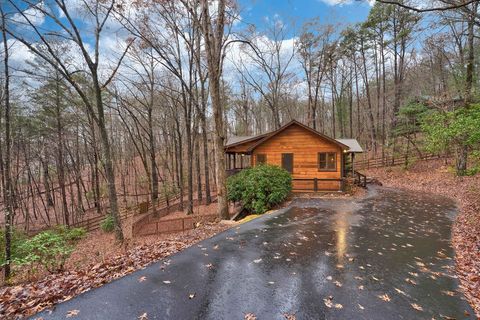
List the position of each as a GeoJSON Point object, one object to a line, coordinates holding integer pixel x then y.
{"type": "Point", "coordinates": [237, 139]}
{"type": "Point", "coordinates": [353, 145]}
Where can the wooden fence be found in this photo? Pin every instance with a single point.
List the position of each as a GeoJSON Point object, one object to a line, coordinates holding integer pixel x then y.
{"type": "Point", "coordinates": [389, 161]}
{"type": "Point", "coordinates": [171, 225]}
{"type": "Point", "coordinates": [93, 223]}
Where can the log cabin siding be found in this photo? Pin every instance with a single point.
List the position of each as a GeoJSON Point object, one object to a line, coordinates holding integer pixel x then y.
{"type": "Point", "coordinates": [305, 146]}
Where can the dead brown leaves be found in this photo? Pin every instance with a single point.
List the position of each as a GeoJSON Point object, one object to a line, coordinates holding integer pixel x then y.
{"type": "Point", "coordinates": [30, 298]}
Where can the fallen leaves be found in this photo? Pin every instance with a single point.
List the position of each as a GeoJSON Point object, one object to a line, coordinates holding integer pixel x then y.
{"type": "Point", "coordinates": [384, 297]}
{"type": "Point", "coordinates": [448, 293]}
{"type": "Point", "coordinates": [27, 299]}
{"type": "Point", "coordinates": [431, 176]}
{"type": "Point", "coordinates": [400, 291]}
{"type": "Point", "coordinates": [289, 316]}
{"type": "Point", "coordinates": [329, 303]}
{"type": "Point", "coordinates": [416, 307]}
{"type": "Point", "coordinates": [72, 313]}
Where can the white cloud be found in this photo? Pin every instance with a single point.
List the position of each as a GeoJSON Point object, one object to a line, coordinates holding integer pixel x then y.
{"type": "Point", "coordinates": [32, 15]}
{"type": "Point", "coordinates": [345, 2]}
{"type": "Point", "coordinates": [19, 53]}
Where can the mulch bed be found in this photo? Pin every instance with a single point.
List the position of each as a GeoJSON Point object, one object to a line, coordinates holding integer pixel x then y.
{"type": "Point", "coordinates": [27, 299]}
{"type": "Point", "coordinates": [435, 177]}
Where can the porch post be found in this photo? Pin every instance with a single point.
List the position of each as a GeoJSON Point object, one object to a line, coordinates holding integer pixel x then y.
{"type": "Point", "coordinates": [353, 165]}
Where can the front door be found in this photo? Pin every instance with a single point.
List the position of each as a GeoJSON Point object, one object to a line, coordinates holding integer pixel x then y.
{"type": "Point", "coordinates": [287, 162]}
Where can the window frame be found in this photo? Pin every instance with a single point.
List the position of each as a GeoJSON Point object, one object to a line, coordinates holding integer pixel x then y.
{"type": "Point", "coordinates": [256, 159]}
{"type": "Point", "coordinates": [293, 161]}
{"type": "Point", "coordinates": [326, 169]}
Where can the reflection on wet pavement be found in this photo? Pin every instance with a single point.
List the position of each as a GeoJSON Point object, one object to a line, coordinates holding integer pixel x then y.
{"type": "Point", "coordinates": [387, 256]}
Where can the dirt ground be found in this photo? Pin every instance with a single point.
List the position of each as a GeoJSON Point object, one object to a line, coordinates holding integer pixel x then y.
{"type": "Point", "coordinates": [437, 177]}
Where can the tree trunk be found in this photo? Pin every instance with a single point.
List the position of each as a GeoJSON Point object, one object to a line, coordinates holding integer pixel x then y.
{"type": "Point", "coordinates": [213, 46]}
{"type": "Point", "coordinates": [108, 163]}
{"type": "Point", "coordinates": [461, 160]}
{"type": "Point", "coordinates": [8, 196]}
{"type": "Point", "coordinates": [60, 160]}
{"type": "Point", "coordinates": [153, 160]}
{"type": "Point", "coordinates": [198, 169]}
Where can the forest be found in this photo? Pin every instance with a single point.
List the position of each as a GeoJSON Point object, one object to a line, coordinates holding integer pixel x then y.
{"type": "Point", "coordinates": [109, 104]}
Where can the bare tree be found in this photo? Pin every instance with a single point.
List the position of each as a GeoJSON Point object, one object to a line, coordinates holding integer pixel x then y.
{"type": "Point", "coordinates": [100, 14]}
{"type": "Point", "coordinates": [213, 28]}
{"type": "Point", "coordinates": [271, 57]}
{"type": "Point", "coordinates": [314, 49]}
{"type": "Point", "coordinates": [7, 174]}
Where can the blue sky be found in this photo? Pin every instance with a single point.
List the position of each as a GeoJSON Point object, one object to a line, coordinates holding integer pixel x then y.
{"type": "Point", "coordinates": [258, 11]}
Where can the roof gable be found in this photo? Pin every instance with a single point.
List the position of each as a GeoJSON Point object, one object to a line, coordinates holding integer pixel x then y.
{"type": "Point", "coordinates": [294, 122]}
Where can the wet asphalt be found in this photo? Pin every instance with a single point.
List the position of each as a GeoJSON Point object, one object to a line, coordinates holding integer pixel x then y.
{"type": "Point", "coordinates": [387, 256]}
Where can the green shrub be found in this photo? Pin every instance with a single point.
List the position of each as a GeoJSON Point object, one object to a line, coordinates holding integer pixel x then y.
{"type": "Point", "coordinates": [17, 238]}
{"type": "Point", "coordinates": [472, 171]}
{"type": "Point", "coordinates": [49, 249]}
{"type": "Point", "coordinates": [260, 188]}
{"type": "Point", "coordinates": [107, 224]}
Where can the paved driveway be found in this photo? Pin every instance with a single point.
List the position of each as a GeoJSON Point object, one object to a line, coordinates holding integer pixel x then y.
{"type": "Point", "coordinates": [384, 257]}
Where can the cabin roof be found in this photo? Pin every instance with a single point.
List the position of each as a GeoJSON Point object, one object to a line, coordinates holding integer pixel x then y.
{"type": "Point", "coordinates": [234, 140]}
{"type": "Point", "coordinates": [239, 140]}
{"type": "Point", "coordinates": [354, 146]}
{"type": "Point", "coordinates": [350, 145]}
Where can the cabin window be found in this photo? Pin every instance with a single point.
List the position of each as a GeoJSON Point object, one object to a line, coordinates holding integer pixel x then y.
{"type": "Point", "coordinates": [287, 162]}
{"type": "Point", "coordinates": [261, 158]}
{"type": "Point", "coordinates": [327, 161]}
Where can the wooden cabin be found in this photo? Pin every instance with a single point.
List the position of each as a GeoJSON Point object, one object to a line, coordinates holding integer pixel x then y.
{"type": "Point", "coordinates": [316, 161]}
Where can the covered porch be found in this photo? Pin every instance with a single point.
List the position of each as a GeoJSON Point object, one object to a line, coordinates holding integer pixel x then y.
{"type": "Point", "coordinates": [237, 152]}
{"type": "Point", "coordinates": [237, 161]}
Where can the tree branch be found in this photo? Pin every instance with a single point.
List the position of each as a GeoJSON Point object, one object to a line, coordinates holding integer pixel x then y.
{"type": "Point", "coordinates": [446, 8]}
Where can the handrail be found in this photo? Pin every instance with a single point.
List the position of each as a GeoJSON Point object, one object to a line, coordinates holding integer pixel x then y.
{"type": "Point", "coordinates": [360, 179]}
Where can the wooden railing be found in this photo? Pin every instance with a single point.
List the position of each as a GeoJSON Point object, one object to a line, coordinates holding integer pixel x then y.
{"type": "Point", "coordinates": [316, 184]}
{"type": "Point", "coordinates": [231, 172]}
{"type": "Point", "coordinates": [389, 161]}
{"type": "Point", "coordinates": [360, 179]}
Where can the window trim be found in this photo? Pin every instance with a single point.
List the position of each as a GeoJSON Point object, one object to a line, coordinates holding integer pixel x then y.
{"type": "Point", "coordinates": [326, 157]}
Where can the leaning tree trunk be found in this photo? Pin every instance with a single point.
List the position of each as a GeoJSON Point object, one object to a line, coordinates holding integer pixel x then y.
{"type": "Point", "coordinates": [108, 165]}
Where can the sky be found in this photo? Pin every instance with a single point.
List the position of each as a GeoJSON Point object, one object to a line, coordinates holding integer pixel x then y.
{"type": "Point", "coordinates": [258, 12]}
{"type": "Point", "coordinates": [261, 12]}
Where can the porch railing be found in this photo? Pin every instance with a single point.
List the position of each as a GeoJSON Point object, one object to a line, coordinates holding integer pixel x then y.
{"type": "Point", "coordinates": [317, 184]}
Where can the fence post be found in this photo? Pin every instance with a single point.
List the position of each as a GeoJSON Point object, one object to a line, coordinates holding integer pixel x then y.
{"type": "Point", "coordinates": [315, 184]}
